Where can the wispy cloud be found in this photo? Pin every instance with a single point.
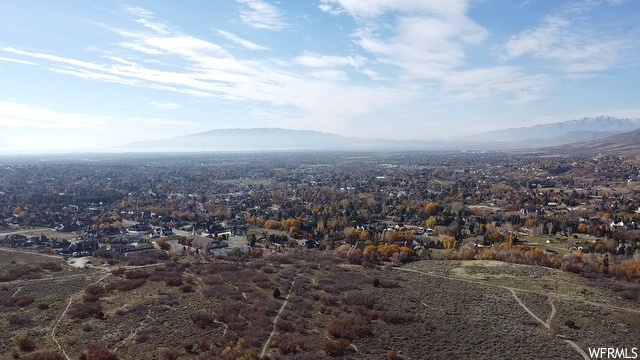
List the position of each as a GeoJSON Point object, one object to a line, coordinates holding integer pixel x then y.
{"type": "Point", "coordinates": [261, 15]}
{"type": "Point", "coordinates": [577, 50]}
{"type": "Point", "coordinates": [165, 105]}
{"type": "Point", "coordinates": [240, 41]}
{"type": "Point", "coordinates": [17, 61]}
{"type": "Point", "coordinates": [427, 40]}
{"type": "Point", "coordinates": [181, 63]}
{"type": "Point", "coordinates": [26, 116]}
{"type": "Point", "coordinates": [325, 61]}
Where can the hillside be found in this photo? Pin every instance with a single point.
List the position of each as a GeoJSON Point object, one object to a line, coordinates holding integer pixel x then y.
{"type": "Point", "coordinates": [572, 130]}
{"type": "Point", "coordinates": [628, 142]}
{"type": "Point", "coordinates": [324, 309]}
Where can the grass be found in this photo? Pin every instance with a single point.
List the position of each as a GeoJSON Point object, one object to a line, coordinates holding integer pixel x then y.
{"type": "Point", "coordinates": [231, 308]}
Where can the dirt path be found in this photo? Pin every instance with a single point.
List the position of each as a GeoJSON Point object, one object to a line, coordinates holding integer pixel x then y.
{"type": "Point", "coordinates": [353, 346]}
{"type": "Point", "coordinates": [546, 324]}
{"type": "Point", "coordinates": [275, 321]}
{"type": "Point", "coordinates": [53, 330]}
{"type": "Point", "coordinates": [553, 312]}
{"type": "Point", "coordinates": [556, 296]}
{"type": "Point", "coordinates": [30, 253]}
{"type": "Point", "coordinates": [526, 308]}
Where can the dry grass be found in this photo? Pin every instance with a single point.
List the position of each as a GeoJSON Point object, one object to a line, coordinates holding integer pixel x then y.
{"type": "Point", "coordinates": [333, 310]}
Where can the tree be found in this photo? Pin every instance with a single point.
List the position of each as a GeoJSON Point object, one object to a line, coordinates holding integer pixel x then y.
{"type": "Point", "coordinates": [449, 242]}
{"type": "Point", "coordinates": [582, 228]}
{"type": "Point", "coordinates": [272, 224]}
{"type": "Point", "coordinates": [432, 208]}
{"type": "Point", "coordinates": [431, 222]}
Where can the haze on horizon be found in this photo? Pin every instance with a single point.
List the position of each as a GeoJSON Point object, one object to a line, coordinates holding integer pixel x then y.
{"type": "Point", "coordinates": [77, 76]}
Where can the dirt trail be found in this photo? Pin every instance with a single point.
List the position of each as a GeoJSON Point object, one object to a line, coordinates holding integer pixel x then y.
{"type": "Point", "coordinates": [275, 321]}
{"type": "Point", "coordinates": [526, 308]}
{"type": "Point", "coordinates": [53, 330]}
{"type": "Point", "coordinates": [58, 257]}
{"type": "Point", "coordinates": [546, 324]}
{"type": "Point", "coordinates": [556, 296]}
{"type": "Point", "coordinates": [553, 312]}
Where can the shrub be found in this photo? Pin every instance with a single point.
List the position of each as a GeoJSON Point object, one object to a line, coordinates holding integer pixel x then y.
{"type": "Point", "coordinates": [396, 317]}
{"type": "Point", "coordinates": [126, 285]}
{"type": "Point", "coordinates": [97, 290]}
{"type": "Point", "coordinates": [276, 293]}
{"type": "Point", "coordinates": [168, 354]}
{"type": "Point", "coordinates": [52, 266]}
{"type": "Point", "coordinates": [186, 288]}
{"type": "Point", "coordinates": [86, 310]}
{"type": "Point", "coordinates": [118, 272]}
{"type": "Point", "coordinates": [187, 346]}
{"type": "Point", "coordinates": [285, 326]}
{"type": "Point", "coordinates": [287, 348]}
{"type": "Point", "coordinates": [45, 355]}
{"type": "Point", "coordinates": [98, 353]}
{"type": "Point", "coordinates": [173, 281]}
{"type": "Point", "coordinates": [136, 274]}
{"type": "Point", "coordinates": [376, 282]}
{"type": "Point", "coordinates": [359, 299]}
{"type": "Point", "coordinates": [19, 320]}
{"type": "Point", "coordinates": [202, 319]}
{"type": "Point", "coordinates": [24, 343]}
{"type": "Point", "coordinates": [349, 327]}
{"type": "Point", "coordinates": [20, 301]}
{"type": "Point", "coordinates": [338, 348]}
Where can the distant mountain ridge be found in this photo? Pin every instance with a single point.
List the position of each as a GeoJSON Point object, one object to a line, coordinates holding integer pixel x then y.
{"type": "Point", "coordinates": [574, 130]}
{"type": "Point", "coordinates": [251, 139]}
{"type": "Point", "coordinates": [624, 143]}
{"type": "Point", "coordinates": [259, 139]}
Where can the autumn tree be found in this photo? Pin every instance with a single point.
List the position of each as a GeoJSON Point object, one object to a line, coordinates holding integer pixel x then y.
{"type": "Point", "coordinates": [272, 224]}
{"type": "Point", "coordinates": [432, 208]}
{"type": "Point", "coordinates": [449, 242]}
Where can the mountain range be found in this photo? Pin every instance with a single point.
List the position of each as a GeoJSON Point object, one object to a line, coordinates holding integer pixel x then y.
{"type": "Point", "coordinates": [583, 131]}
{"type": "Point", "coordinates": [574, 130]}
{"type": "Point", "coordinates": [628, 142]}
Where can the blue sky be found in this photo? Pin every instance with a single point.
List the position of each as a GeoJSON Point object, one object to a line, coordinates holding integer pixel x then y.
{"type": "Point", "coordinates": [78, 75]}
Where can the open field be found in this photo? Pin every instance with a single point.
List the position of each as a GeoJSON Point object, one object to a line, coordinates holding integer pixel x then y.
{"type": "Point", "coordinates": [227, 309]}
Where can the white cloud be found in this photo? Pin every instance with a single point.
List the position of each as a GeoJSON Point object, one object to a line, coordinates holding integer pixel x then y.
{"type": "Point", "coordinates": [328, 61]}
{"type": "Point", "coordinates": [261, 15]}
{"type": "Point", "coordinates": [489, 83]}
{"type": "Point", "coordinates": [31, 128]}
{"type": "Point", "coordinates": [17, 61]}
{"type": "Point", "coordinates": [184, 64]}
{"type": "Point", "coordinates": [577, 50]}
{"type": "Point", "coordinates": [373, 8]}
{"type": "Point", "coordinates": [427, 40]}
{"type": "Point", "coordinates": [25, 116]}
{"type": "Point", "coordinates": [240, 41]}
{"type": "Point", "coordinates": [165, 105]}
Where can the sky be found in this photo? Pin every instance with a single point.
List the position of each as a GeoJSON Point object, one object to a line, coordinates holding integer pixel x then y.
{"type": "Point", "coordinates": [84, 75]}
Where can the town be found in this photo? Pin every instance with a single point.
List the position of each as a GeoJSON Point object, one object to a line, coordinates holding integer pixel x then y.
{"type": "Point", "coordinates": [125, 215]}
